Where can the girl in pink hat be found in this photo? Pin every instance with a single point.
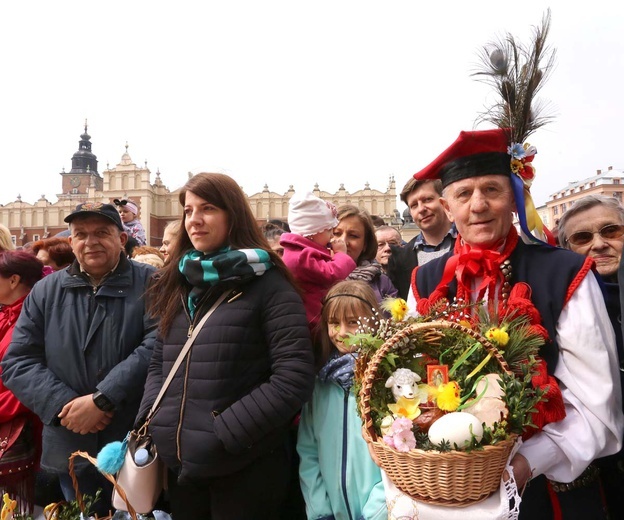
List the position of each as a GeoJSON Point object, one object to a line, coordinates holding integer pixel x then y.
{"type": "Point", "coordinates": [315, 259]}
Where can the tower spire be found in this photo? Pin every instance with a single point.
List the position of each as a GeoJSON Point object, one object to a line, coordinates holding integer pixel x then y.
{"type": "Point", "coordinates": [84, 160]}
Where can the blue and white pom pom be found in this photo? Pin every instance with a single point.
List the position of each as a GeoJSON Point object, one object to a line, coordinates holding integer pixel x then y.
{"type": "Point", "coordinates": [111, 457]}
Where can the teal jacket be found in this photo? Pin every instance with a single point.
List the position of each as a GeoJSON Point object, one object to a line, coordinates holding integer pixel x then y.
{"type": "Point", "coordinates": [339, 480]}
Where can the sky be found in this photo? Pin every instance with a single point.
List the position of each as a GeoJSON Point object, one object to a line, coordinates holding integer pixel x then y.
{"type": "Point", "coordinates": [290, 92]}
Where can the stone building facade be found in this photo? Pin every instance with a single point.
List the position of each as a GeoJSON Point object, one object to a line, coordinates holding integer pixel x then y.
{"type": "Point", "coordinates": [609, 183]}
{"type": "Point", "coordinates": [157, 204]}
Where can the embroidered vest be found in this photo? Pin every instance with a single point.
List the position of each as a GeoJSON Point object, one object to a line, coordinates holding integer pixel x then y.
{"type": "Point", "coordinates": [552, 273]}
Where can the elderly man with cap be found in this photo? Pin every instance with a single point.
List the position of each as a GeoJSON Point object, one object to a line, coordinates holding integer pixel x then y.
{"type": "Point", "coordinates": [129, 212]}
{"type": "Point", "coordinates": [81, 348]}
{"type": "Point", "coordinates": [490, 263]}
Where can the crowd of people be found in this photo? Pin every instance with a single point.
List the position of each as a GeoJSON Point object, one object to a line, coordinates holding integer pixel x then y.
{"type": "Point", "coordinates": [260, 420]}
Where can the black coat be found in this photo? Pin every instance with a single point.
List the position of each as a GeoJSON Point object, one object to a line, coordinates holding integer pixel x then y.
{"type": "Point", "coordinates": [401, 263]}
{"type": "Point", "coordinates": [251, 369]}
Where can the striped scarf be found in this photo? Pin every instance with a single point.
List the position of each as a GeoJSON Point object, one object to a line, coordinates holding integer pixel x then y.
{"type": "Point", "coordinates": [205, 270]}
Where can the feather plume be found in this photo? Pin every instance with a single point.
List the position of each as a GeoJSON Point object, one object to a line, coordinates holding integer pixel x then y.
{"type": "Point", "coordinates": [517, 72]}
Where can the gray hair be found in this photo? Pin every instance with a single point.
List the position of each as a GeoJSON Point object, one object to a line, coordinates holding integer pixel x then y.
{"type": "Point", "coordinates": [385, 227]}
{"type": "Point", "coordinates": [587, 202]}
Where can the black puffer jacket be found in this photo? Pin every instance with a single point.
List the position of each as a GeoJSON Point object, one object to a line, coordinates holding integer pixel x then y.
{"type": "Point", "coordinates": [250, 371]}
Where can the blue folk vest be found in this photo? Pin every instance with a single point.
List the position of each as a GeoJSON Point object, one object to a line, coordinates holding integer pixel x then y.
{"type": "Point", "coordinates": [550, 272]}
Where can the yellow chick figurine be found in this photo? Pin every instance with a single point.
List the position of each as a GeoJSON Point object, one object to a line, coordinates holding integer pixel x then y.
{"type": "Point", "coordinates": [8, 506]}
{"type": "Point", "coordinates": [448, 398]}
{"type": "Point", "coordinates": [397, 307]}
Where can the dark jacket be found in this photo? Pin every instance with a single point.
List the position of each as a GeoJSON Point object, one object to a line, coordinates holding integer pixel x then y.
{"type": "Point", "coordinates": [70, 341]}
{"type": "Point", "coordinates": [248, 373]}
{"type": "Point", "coordinates": [404, 260]}
{"type": "Point", "coordinates": [400, 266]}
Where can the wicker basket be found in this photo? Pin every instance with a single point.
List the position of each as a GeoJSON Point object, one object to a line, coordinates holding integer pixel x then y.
{"type": "Point", "coordinates": [72, 473]}
{"type": "Point", "coordinates": [453, 478]}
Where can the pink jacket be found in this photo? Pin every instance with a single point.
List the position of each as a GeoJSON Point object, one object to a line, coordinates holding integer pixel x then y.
{"type": "Point", "coordinates": [315, 270]}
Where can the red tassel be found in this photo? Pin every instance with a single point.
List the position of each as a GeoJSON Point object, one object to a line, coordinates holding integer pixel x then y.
{"type": "Point", "coordinates": [552, 409]}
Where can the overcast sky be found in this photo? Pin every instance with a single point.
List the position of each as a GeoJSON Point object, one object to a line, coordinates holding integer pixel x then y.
{"type": "Point", "coordinates": [290, 92]}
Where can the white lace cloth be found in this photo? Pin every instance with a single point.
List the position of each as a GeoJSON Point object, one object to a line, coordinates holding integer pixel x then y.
{"type": "Point", "coordinates": [495, 507]}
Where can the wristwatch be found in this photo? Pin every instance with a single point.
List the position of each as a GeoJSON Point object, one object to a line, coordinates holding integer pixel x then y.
{"type": "Point", "coordinates": [103, 402]}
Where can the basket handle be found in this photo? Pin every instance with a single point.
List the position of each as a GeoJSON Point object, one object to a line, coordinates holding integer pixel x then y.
{"type": "Point", "coordinates": [368, 431]}
{"type": "Point", "coordinates": [108, 477]}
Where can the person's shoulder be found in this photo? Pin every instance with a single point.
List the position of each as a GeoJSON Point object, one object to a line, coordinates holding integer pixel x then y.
{"type": "Point", "coordinates": [52, 280]}
{"type": "Point", "coordinates": [551, 253]}
{"type": "Point", "coordinates": [273, 277]}
{"type": "Point", "coordinates": [436, 263]}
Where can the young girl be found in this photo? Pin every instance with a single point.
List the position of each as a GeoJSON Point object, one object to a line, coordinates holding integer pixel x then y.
{"type": "Point", "coordinates": [129, 212]}
{"type": "Point", "coordinates": [315, 260]}
{"type": "Point", "coordinates": [339, 480]}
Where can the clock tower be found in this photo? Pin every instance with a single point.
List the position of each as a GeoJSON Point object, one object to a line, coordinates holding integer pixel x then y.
{"type": "Point", "coordinates": [83, 173]}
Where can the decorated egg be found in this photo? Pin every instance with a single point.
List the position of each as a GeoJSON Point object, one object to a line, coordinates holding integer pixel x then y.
{"type": "Point", "coordinates": [455, 428]}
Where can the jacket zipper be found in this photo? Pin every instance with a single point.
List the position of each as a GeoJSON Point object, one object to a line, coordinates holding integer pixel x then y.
{"type": "Point", "coordinates": [343, 469]}
{"type": "Point", "coordinates": [183, 401]}
{"type": "Point", "coordinates": [181, 417]}
{"type": "Point", "coordinates": [186, 374]}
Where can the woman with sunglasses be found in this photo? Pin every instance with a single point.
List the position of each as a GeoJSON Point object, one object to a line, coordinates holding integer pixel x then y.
{"type": "Point", "coordinates": [594, 227]}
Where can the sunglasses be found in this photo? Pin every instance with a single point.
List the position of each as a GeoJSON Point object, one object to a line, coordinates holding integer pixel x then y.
{"type": "Point", "coordinates": [121, 202]}
{"type": "Point", "coordinates": [608, 232]}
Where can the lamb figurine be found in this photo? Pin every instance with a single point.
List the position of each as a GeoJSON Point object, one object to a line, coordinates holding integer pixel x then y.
{"type": "Point", "coordinates": [404, 383]}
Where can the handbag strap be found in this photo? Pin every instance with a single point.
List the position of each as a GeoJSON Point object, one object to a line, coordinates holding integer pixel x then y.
{"type": "Point", "coordinates": [183, 353]}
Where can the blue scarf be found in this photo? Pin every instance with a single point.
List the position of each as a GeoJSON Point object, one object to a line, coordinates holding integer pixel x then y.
{"type": "Point", "coordinates": [339, 369]}
{"type": "Point", "coordinates": [205, 270]}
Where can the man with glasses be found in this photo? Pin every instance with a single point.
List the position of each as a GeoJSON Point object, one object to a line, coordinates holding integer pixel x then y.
{"type": "Point", "coordinates": [594, 227]}
{"type": "Point", "coordinates": [387, 237]}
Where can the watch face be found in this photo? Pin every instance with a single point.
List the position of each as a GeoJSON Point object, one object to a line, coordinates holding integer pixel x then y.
{"type": "Point", "coordinates": [75, 181]}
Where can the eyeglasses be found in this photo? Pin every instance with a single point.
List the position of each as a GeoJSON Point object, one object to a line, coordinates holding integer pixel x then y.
{"type": "Point", "coordinates": [609, 232]}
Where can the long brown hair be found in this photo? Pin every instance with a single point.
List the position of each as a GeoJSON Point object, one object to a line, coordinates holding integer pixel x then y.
{"type": "Point", "coordinates": [344, 299]}
{"type": "Point", "coordinates": [165, 296]}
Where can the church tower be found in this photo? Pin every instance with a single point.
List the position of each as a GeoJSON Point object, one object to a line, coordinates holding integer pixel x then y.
{"type": "Point", "coordinates": [83, 173]}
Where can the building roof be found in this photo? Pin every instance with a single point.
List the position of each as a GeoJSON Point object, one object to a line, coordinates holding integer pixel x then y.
{"type": "Point", "coordinates": [606, 177]}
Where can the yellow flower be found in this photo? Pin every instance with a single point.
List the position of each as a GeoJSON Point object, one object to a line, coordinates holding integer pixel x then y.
{"type": "Point", "coordinates": [465, 323]}
{"type": "Point", "coordinates": [448, 397]}
{"type": "Point", "coordinates": [499, 336]}
{"type": "Point", "coordinates": [516, 165]}
{"type": "Point", "coordinates": [405, 407]}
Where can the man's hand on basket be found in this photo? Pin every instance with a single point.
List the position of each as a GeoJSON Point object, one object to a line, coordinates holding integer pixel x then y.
{"type": "Point", "coordinates": [82, 416]}
{"type": "Point", "coordinates": [522, 471]}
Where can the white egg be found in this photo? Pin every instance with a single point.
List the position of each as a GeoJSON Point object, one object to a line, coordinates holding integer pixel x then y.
{"type": "Point", "coordinates": [454, 427]}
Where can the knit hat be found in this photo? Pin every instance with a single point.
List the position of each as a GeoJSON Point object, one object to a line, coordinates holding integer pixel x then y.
{"type": "Point", "coordinates": [308, 215]}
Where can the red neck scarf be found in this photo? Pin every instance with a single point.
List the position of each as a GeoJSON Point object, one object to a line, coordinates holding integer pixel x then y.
{"type": "Point", "coordinates": [469, 263]}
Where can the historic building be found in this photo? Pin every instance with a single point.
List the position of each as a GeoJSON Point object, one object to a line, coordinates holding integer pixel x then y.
{"type": "Point", "coordinates": [157, 204]}
{"type": "Point", "coordinates": [608, 183]}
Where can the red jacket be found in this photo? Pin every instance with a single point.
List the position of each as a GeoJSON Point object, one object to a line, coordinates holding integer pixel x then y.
{"type": "Point", "coordinates": [10, 407]}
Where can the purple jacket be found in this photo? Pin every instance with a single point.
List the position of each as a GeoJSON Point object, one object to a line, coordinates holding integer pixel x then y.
{"type": "Point", "coordinates": [315, 270]}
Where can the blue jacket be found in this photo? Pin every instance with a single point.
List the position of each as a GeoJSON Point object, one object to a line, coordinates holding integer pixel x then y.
{"type": "Point", "coordinates": [339, 480]}
{"type": "Point", "coordinates": [70, 341]}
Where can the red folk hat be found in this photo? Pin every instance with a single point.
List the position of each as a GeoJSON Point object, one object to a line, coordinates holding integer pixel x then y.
{"type": "Point", "coordinates": [474, 153]}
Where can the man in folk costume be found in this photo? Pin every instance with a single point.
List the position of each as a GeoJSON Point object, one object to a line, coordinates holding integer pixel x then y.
{"type": "Point", "coordinates": [486, 177]}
